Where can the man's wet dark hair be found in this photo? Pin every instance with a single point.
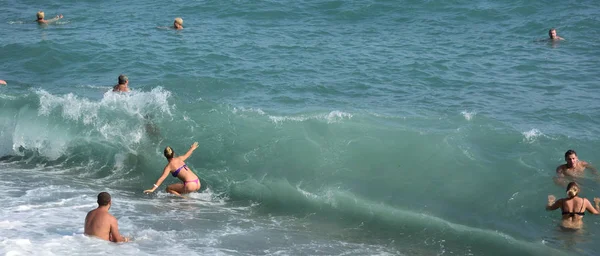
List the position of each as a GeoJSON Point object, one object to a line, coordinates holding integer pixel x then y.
{"type": "Point", "coordinates": [103, 198]}
{"type": "Point", "coordinates": [123, 79]}
{"type": "Point", "coordinates": [570, 152]}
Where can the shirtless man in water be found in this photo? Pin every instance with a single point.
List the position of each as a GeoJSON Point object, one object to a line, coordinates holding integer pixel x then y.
{"type": "Point", "coordinates": [101, 224]}
{"type": "Point", "coordinates": [574, 168]}
{"type": "Point", "coordinates": [122, 85]}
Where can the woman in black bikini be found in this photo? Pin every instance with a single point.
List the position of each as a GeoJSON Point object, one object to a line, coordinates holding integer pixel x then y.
{"type": "Point", "coordinates": [179, 169]}
{"type": "Point", "coordinates": [573, 207]}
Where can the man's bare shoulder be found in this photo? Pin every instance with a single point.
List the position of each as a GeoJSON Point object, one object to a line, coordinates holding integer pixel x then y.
{"type": "Point", "coordinates": [97, 214]}
{"type": "Point", "coordinates": [107, 215]}
{"type": "Point", "coordinates": [118, 88]}
{"type": "Point", "coordinates": [92, 212]}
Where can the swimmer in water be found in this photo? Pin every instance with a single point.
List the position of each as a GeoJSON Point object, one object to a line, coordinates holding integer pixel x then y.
{"type": "Point", "coordinates": [101, 224]}
{"type": "Point", "coordinates": [122, 86]}
{"type": "Point", "coordinates": [574, 168]}
{"type": "Point", "coordinates": [553, 36]}
{"type": "Point", "coordinates": [178, 168]}
{"type": "Point", "coordinates": [178, 23]}
{"type": "Point", "coordinates": [40, 18]}
{"type": "Point", "coordinates": [573, 207]}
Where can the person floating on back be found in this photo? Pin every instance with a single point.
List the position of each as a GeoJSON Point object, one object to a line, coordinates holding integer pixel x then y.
{"type": "Point", "coordinates": [573, 207]}
{"type": "Point", "coordinates": [3, 82]}
{"type": "Point", "coordinates": [179, 169]}
{"type": "Point", "coordinates": [101, 224]}
{"type": "Point", "coordinates": [178, 23]}
{"type": "Point", "coordinates": [122, 85]}
{"type": "Point", "coordinates": [574, 168]}
{"type": "Point", "coordinates": [553, 36]}
{"type": "Point", "coordinates": [41, 20]}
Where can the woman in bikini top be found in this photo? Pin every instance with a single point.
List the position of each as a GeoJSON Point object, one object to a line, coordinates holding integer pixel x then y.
{"type": "Point", "coordinates": [573, 207]}
{"type": "Point", "coordinates": [178, 169]}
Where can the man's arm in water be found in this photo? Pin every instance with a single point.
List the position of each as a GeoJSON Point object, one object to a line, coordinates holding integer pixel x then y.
{"type": "Point", "coordinates": [592, 168]}
{"type": "Point", "coordinates": [560, 171]}
{"type": "Point", "coordinates": [114, 232]}
{"type": "Point", "coordinates": [559, 179]}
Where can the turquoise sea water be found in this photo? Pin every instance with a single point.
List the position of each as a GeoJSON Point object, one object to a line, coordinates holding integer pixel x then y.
{"type": "Point", "coordinates": [325, 127]}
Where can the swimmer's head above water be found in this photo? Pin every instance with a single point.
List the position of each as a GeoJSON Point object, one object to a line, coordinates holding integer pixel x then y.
{"type": "Point", "coordinates": [123, 79]}
{"type": "Point", "coordinates": [104, 199]}
{"type": "Point", "coordinates": [571, 157]}
{"type": "Point", "coordinates": [169, 154]}
{"type": "Point", "coordinates": [178, 23]}
{"type": "Point", "coordinates": [40, 18]}
{"type": "Point", "coordinates": [552, 33]}
{"type": "Point", "coordinates": [572, 189]}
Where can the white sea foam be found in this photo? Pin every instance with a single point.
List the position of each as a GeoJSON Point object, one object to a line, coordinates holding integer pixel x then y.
{"type": "Point", "coordinates": [514, 195]}
{"type": "Point", "coordinates": [208, 197]}
{"type": "Point", "coordinates": [250, 110]}
{"type": "Point", "coordinates": [135, 101]}
{"type": "Point", "coordinates": [91, 86]}
{"type": "Point", "coordinates": [468, 115]}
{"type": "Point", "coordinates": [387, 116]}
{"type": "Point", "coordinates": [29, 132]}
{"type": "Point", "coordinates": [468, 154]}
{"type": "Point", "coordinates": [331, 117]}
{"type": "Point", "coordinates": [532, 135]}
{"type": "Point", "coordinates": [281, 119]}
{"type": "Point", "coordinates": [11, 224]}
{"type": "Point", "coordinates": [22, 242]}
{"type": "Point", "coordinates": [51, 139]}
{"type": "Point", "coordinates": [335, 116]}
{"type": "Point", "coordinates": [307, 194]}
{"type": "Point", "coordinates": [86, 111]}
{"type": "Point", "coordinates": [7, 97]}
